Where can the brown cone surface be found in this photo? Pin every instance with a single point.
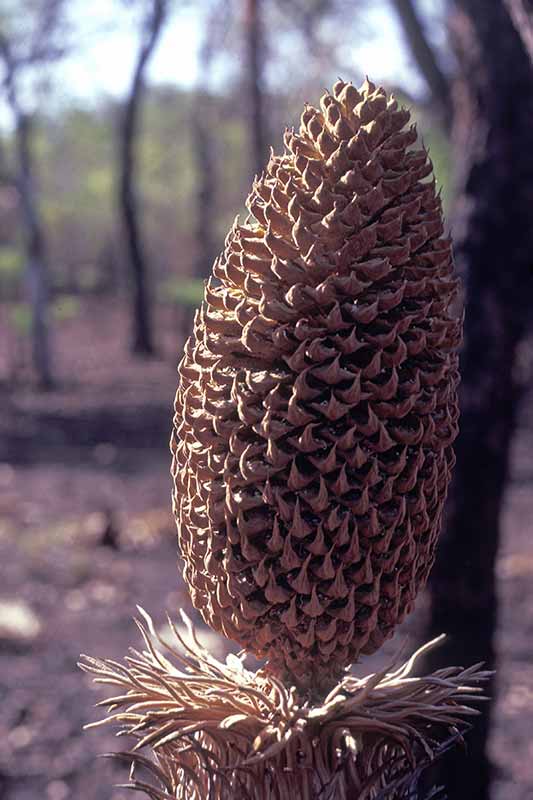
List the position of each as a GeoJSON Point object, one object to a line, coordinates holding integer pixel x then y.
{"type": "Point", "coordinates": [317, 404]}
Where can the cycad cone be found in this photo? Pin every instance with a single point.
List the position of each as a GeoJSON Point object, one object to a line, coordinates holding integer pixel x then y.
{"type": "Point", "coordinates": [317, 404]}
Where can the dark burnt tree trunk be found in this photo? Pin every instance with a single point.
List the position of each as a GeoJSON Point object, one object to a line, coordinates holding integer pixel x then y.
{"type": "Point", "coordinates": [142, 339]}
{"type": "Point", "coordinates": [255, 60]}
{"type": "Point", "coordinates": [494, 131]}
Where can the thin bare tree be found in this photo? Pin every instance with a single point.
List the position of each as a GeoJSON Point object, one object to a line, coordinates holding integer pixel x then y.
{"type": "Point", "coordinates": [425, 57]}
{"type": "Point", "coordinates": [25, 52]}
{"type": "Point", "coordinates": [155, 12]}
{"type": "Point", "coordinates": [203, 125]}
{"type": "Point", "coordinates": [255, 48]}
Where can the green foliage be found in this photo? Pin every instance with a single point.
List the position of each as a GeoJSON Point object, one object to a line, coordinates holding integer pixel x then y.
{"type": "Point", "coordinates": [88, 277]}
{"type": "Point", "coordinates": [20, 317]}
{"type": "Point", "coordinates": [439, 151]}
{"type": "Point", "coordinates": [11, 271]}
{"type": "Point", "coordinates": [63, 309]}
{"type": "Point", "coordinates": [182, 292]}
{"type": "Point", "coordinates": [11, 264]}
{"type": "Point", "coordinates": [167, 178]}
{"type": "Point", "coordinates": [435, 140]}
{"type": "Point", "coordinates": [76, 170]}
{"type": "Point", "coordinates": [76, 159]}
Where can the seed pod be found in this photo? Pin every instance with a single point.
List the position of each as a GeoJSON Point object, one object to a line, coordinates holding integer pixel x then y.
{"type": "Point", "coordinates": [317, 406]}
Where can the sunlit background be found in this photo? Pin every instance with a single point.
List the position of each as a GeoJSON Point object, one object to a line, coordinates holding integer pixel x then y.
{"type": "Point", "coordinates": [196, 78]}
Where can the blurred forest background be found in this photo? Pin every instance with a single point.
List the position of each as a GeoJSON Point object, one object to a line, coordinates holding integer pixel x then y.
{"type": "Point", "coordinates": [130, 131]}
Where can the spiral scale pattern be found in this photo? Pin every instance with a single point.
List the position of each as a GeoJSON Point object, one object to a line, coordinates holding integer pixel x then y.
{"type": "Point", "coordinates": [317, 404]}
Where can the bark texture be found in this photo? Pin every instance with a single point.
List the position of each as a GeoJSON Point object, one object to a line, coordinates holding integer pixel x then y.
{"type": "Point", "coordinates": [493, 130]}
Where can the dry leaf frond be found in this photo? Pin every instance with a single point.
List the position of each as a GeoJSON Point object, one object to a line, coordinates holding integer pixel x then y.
{"type": "Point", "coordinates": [216, 730]}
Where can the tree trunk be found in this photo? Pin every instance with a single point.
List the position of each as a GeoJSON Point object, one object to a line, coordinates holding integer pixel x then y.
{"type": "Point", "coordinates": [142, 340]}
{"type": "Point", "coordinates": [254, 42]}
{"type": "Point", "coordinates": [35, 247]}
{"type": "Point", "coordinates": [494, 129]}
{"type": "Point", "coordinates": [205, 182]}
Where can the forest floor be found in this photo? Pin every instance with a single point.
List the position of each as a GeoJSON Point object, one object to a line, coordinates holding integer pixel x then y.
{"type": "Point", "coordinates": [91, 459]}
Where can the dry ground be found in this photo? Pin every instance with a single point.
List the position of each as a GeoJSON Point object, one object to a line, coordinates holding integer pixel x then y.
{"type": "Point", "coordinates": [95, 452]}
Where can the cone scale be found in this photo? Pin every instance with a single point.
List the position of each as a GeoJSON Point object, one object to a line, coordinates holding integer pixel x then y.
{"type": "Point", "coordinates": [317, 404]}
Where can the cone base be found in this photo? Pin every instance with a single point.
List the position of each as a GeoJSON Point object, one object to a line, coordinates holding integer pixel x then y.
{"type": "Point", "coordinates": [208, 729]}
